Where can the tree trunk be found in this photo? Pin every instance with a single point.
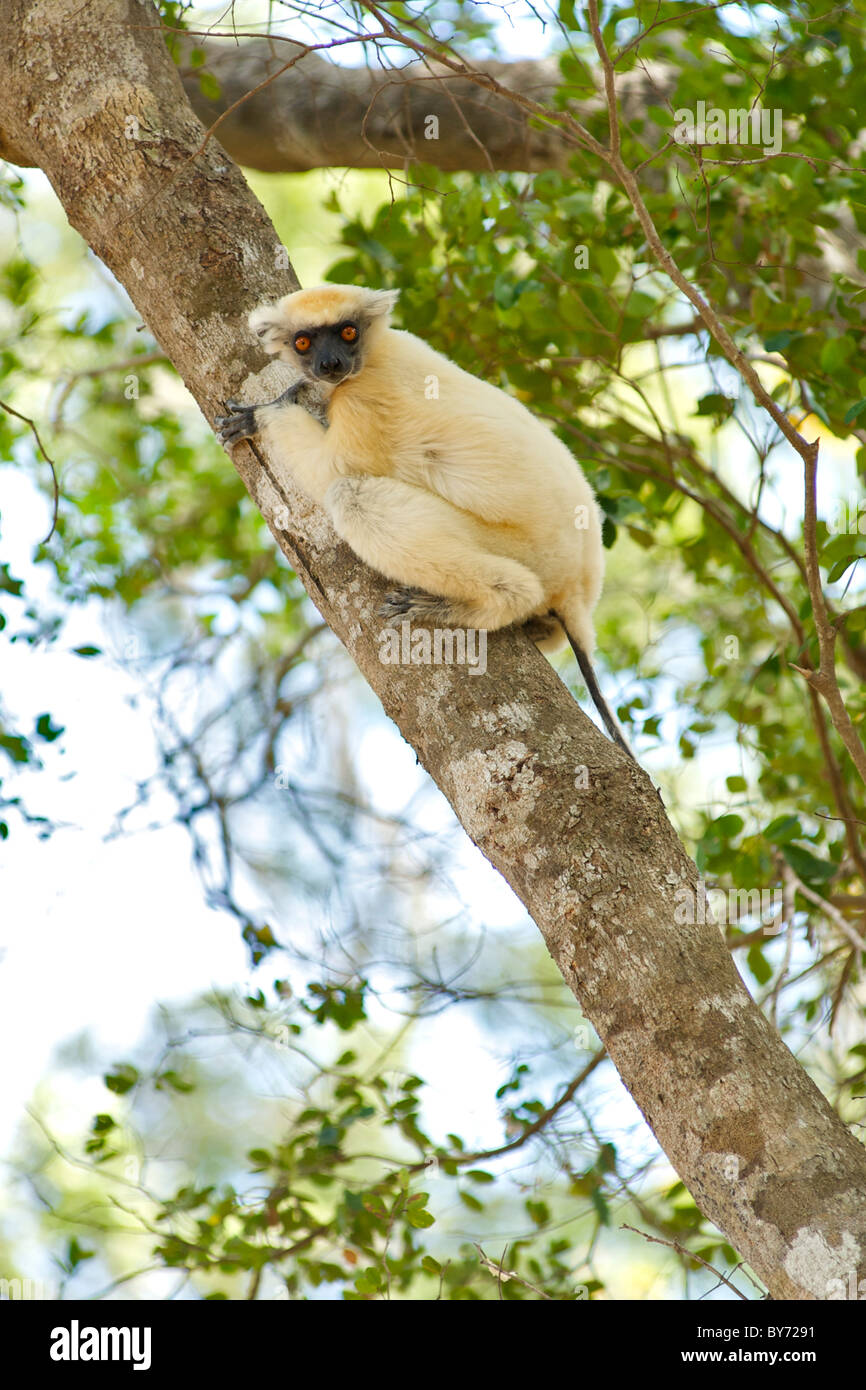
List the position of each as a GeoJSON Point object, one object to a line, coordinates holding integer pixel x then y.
{"type": "Point", "coordinates": [90, 94]}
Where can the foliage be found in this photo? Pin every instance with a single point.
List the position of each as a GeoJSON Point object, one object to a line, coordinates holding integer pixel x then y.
{"type": "Point", "coordinates": [545, 285]}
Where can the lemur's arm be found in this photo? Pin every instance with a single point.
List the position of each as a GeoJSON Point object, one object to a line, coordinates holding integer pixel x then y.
{"type": "Point", "coordinates": [245, 421]}
{"type": "Point", "coordinates": [293, 429]}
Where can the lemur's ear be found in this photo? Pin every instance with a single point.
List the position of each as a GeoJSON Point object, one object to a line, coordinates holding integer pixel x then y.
{"type": "Point", "coordinates": [378, 303]}
{"type": "Point", "coordinates": [269, 327]}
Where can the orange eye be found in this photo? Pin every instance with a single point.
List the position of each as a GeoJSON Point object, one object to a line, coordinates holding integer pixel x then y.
{"type": "Point", "coordinates": [302, 343]}
{"type": "Point", "coordinates": [349, 333]}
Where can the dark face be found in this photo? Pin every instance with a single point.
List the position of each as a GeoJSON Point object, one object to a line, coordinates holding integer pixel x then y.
{"type": "Point", "coordinates": [330, 352]}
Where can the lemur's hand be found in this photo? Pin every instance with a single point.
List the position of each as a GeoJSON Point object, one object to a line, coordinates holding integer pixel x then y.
{"type": "Point", "coordinates": [240, 424]}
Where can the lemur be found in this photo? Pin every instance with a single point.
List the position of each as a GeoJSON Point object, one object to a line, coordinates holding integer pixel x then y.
{"type": "Point", "coordinates": [443, 483]}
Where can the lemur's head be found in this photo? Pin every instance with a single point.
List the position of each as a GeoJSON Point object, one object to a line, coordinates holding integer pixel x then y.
{"type": "Point", "coordinates": [327, 331]}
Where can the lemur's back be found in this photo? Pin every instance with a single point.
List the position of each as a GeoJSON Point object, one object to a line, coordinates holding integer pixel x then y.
{"type": "Point", "coordinates": [422, 401]}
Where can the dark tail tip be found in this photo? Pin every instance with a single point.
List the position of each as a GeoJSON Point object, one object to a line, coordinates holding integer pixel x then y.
{"type": "Point", "coordinates": [592, 685]}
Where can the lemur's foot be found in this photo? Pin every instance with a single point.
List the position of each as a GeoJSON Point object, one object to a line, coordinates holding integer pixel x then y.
{"type": "Point", "coordinates": [416, 605]}
{"type": "Point", "coordinates": [542, 628]}
{"type": "Point", "coordinates": [240, 424]}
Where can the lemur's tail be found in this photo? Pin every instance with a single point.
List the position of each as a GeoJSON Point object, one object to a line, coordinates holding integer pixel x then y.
{"type": "Point", "coordinates": [592, 685]}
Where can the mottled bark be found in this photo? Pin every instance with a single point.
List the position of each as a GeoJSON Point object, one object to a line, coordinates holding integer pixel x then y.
{"type": "Point", "coordinates": [317, 114]}
{"type": "Point", "coordinates": [90, 95]}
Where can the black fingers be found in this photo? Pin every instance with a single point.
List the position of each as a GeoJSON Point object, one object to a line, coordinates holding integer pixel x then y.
{"type": "Point", "coordinates": [240, 424]}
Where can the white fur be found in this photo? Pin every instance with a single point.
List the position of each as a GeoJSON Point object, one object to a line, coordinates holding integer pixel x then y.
{"type": "Point", "coordinates": [436, 479]}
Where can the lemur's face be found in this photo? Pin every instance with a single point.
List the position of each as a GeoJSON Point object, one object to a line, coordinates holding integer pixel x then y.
{"type": "Point", "coordinates": [327, 332]}
{"type": "Point", "coordinates": [330, 352]}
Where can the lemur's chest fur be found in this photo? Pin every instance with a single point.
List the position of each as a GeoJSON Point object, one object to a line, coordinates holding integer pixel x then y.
{"type": "Point", "coordinates": [370, 433]}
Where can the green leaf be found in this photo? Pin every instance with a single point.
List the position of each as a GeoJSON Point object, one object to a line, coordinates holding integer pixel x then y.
{"type": "Point", "coordinates": [717, 405]}
{"type": "Point", "coordinates": [836, 571]}
{"type": "Point", "coordinates": [539, 1212]}
{"type": "Point", "coordinates": [504, 292]}
{"type": "Point", "coordinates": [45, 729]}
{"type": "Point", "coordinates": [777, 342]}
{"type": "Point", "coordinates": [849, 543]}
{"type": "Point", "coordinates": [599, 1201]}
{"type": "Point", "coordinates": [174, 1080]}
{"type": "Point", "coordinates": [607, 1158]}
{"type": "Point", "coordinates": [17, 748]}
{"type": "Point", "coordinates": [759, 967]}
{"type": "Point", "coordinates": [122, 1079]}
{"type": "Point", "coordinates": [728, 826]}
{"type": "Point", "coordinates": [836, 352]}
{"type": "Point", "coordinates": [807, 866]}
{"type": "Point", "coordinates": [8, 584]}
{"type": "Point", "coordinates": [209, 87]}
{"type": "Point", "coordinates": [783, 829]}
{"type": "Point", "coordinates": [419, 1218]}
{"type": "Point", "coordinates": [375, 1206]}
{"type": "Point", "coordinates": [76, 1254]}
{"type": "Point", "coordinates": [370, 1281]}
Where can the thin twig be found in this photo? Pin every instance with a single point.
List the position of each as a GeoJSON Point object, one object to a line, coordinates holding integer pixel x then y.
{"type": "Point", "coordinates": [689, 1255]}
{"type": "Point", "coordinates": [50, 462]}
{"type": "Point", "coordinates": [504, 1276]}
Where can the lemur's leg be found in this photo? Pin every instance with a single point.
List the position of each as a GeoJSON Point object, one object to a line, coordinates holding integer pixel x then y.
{"type": "Point", "coordinates": [245, 421]}
{"type": "Point", "coordinates": [441, 553]}
{"type": "Point", "coordinates": [546, 631]}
